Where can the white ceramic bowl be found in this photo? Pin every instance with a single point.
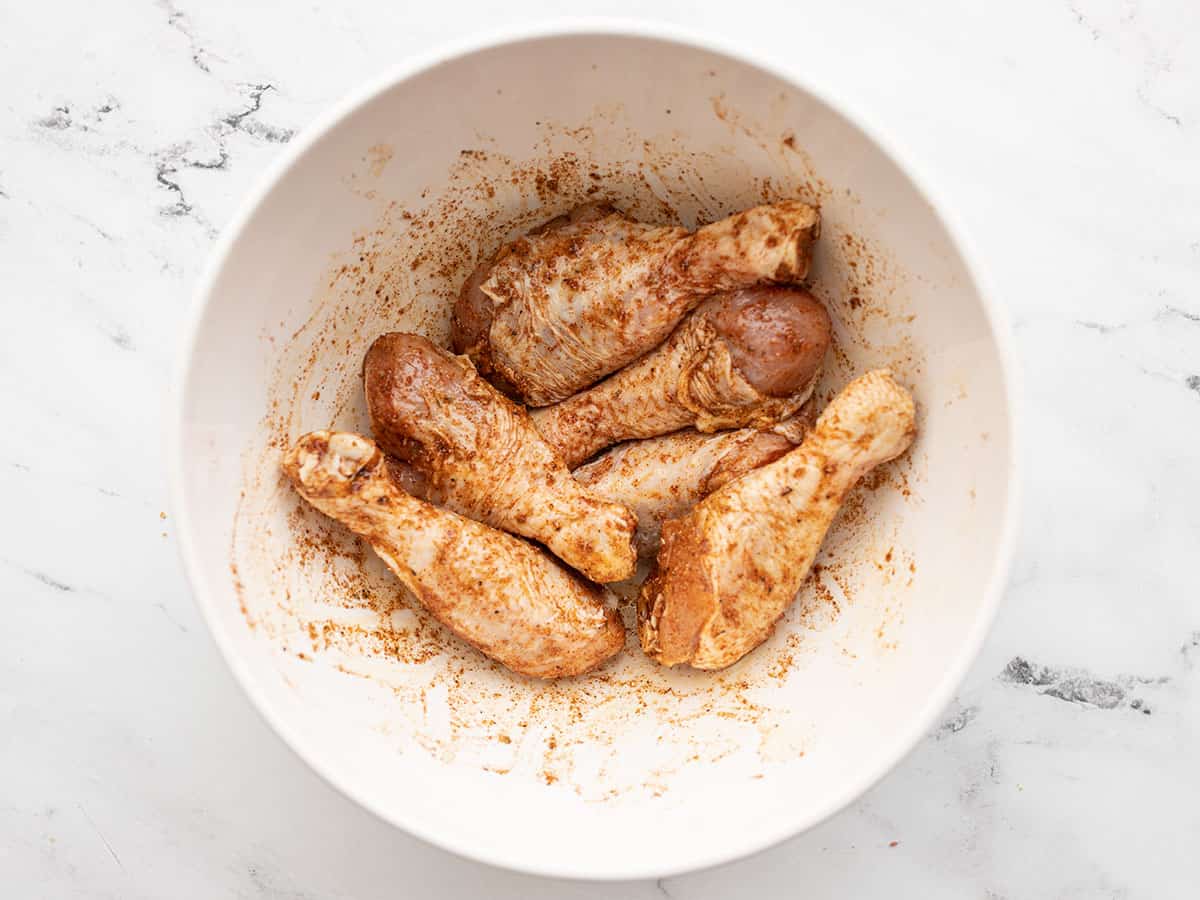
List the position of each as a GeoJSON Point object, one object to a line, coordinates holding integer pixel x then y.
{"type": "Point", "coordinates": [367, 224]}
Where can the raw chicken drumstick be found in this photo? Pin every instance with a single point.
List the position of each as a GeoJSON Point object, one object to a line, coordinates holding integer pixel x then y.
{"type": "Point", "coordinates": [749, 358]}
{"type": "Point", "coordinates": [555, 311]}
{"type": "Point", "coordinates": [508, 599]}
{"type": "Point", "coordinates": [480, 456]}
{"type": "Point", "coordinates": [662, 478]}
{"type": "Point", "coordinates": [729, 568]}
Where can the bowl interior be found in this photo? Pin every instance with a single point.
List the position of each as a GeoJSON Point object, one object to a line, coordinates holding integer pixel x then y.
{"type": "Point", "coordinates": [635, 770]}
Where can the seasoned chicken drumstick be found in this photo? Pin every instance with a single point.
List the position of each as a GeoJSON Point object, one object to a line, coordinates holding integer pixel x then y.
{"type": "Point", "coordinates": [662, 478]}
{"type": "Point", "coordinates": [499, 594]}
{"type": "Point", "coordinates": [749, 358]}
{"type": "Point", "coordinates": [555, 311]}
{"type": "Point", "coordinates": [479, 455]}
{"type": "Point", "coordinates": [728, 569]}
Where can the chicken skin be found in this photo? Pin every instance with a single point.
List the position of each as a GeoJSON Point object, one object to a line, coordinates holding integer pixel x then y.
{"type": "Point", "coordinates": [748, 358]}
{"type": "Point", "coordinates": [511, 601]}
{"type": "Point", "coordinates": [554, 311]}
{"type": "Point", "coordinates": [477, 453]}
{"type": "Point", "coordinates": [662, 478]}
{"type": "Point", "coordinates": [728, 569]}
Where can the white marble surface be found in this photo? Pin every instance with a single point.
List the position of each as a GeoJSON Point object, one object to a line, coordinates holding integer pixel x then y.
{"type": "Point", "coordinates": [1069, 134]}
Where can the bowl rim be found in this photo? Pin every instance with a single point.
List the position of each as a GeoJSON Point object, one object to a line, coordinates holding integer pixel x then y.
{"type": "Point", "coordinates": [996, 316]}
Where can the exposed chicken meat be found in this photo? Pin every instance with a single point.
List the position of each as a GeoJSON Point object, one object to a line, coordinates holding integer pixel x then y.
{"type": "Point", "coordinates": [749, 358]}
{"type": "Point", "coordinates": [729, 568]}
{"type": "Point", "coordinates": [662, 478]}
{"type": "Point", "coordinates": [503, 596]}
{"type": "Point", "coordinates": [555, 311]}
{"type": "Point", "coordinates": [479, 455]}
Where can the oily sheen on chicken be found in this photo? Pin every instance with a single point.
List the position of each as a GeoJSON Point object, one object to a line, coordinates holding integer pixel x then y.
{"type": "Point", "coordinates": [662, 478]}
{"type": "Point", "coordinates": [477, 453]}
{"type": "Point", "coordinates": [554, 311]}
{"type": "Point", "coordinates": [744, 359]}
{"type": "Point", "coordinates": [510, 600]}
{"type": "Point", "coordinates": [729, 568]}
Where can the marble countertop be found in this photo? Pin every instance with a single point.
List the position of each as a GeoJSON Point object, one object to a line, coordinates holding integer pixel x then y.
{"type": "Point", "coordinates": [1068, 133]}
